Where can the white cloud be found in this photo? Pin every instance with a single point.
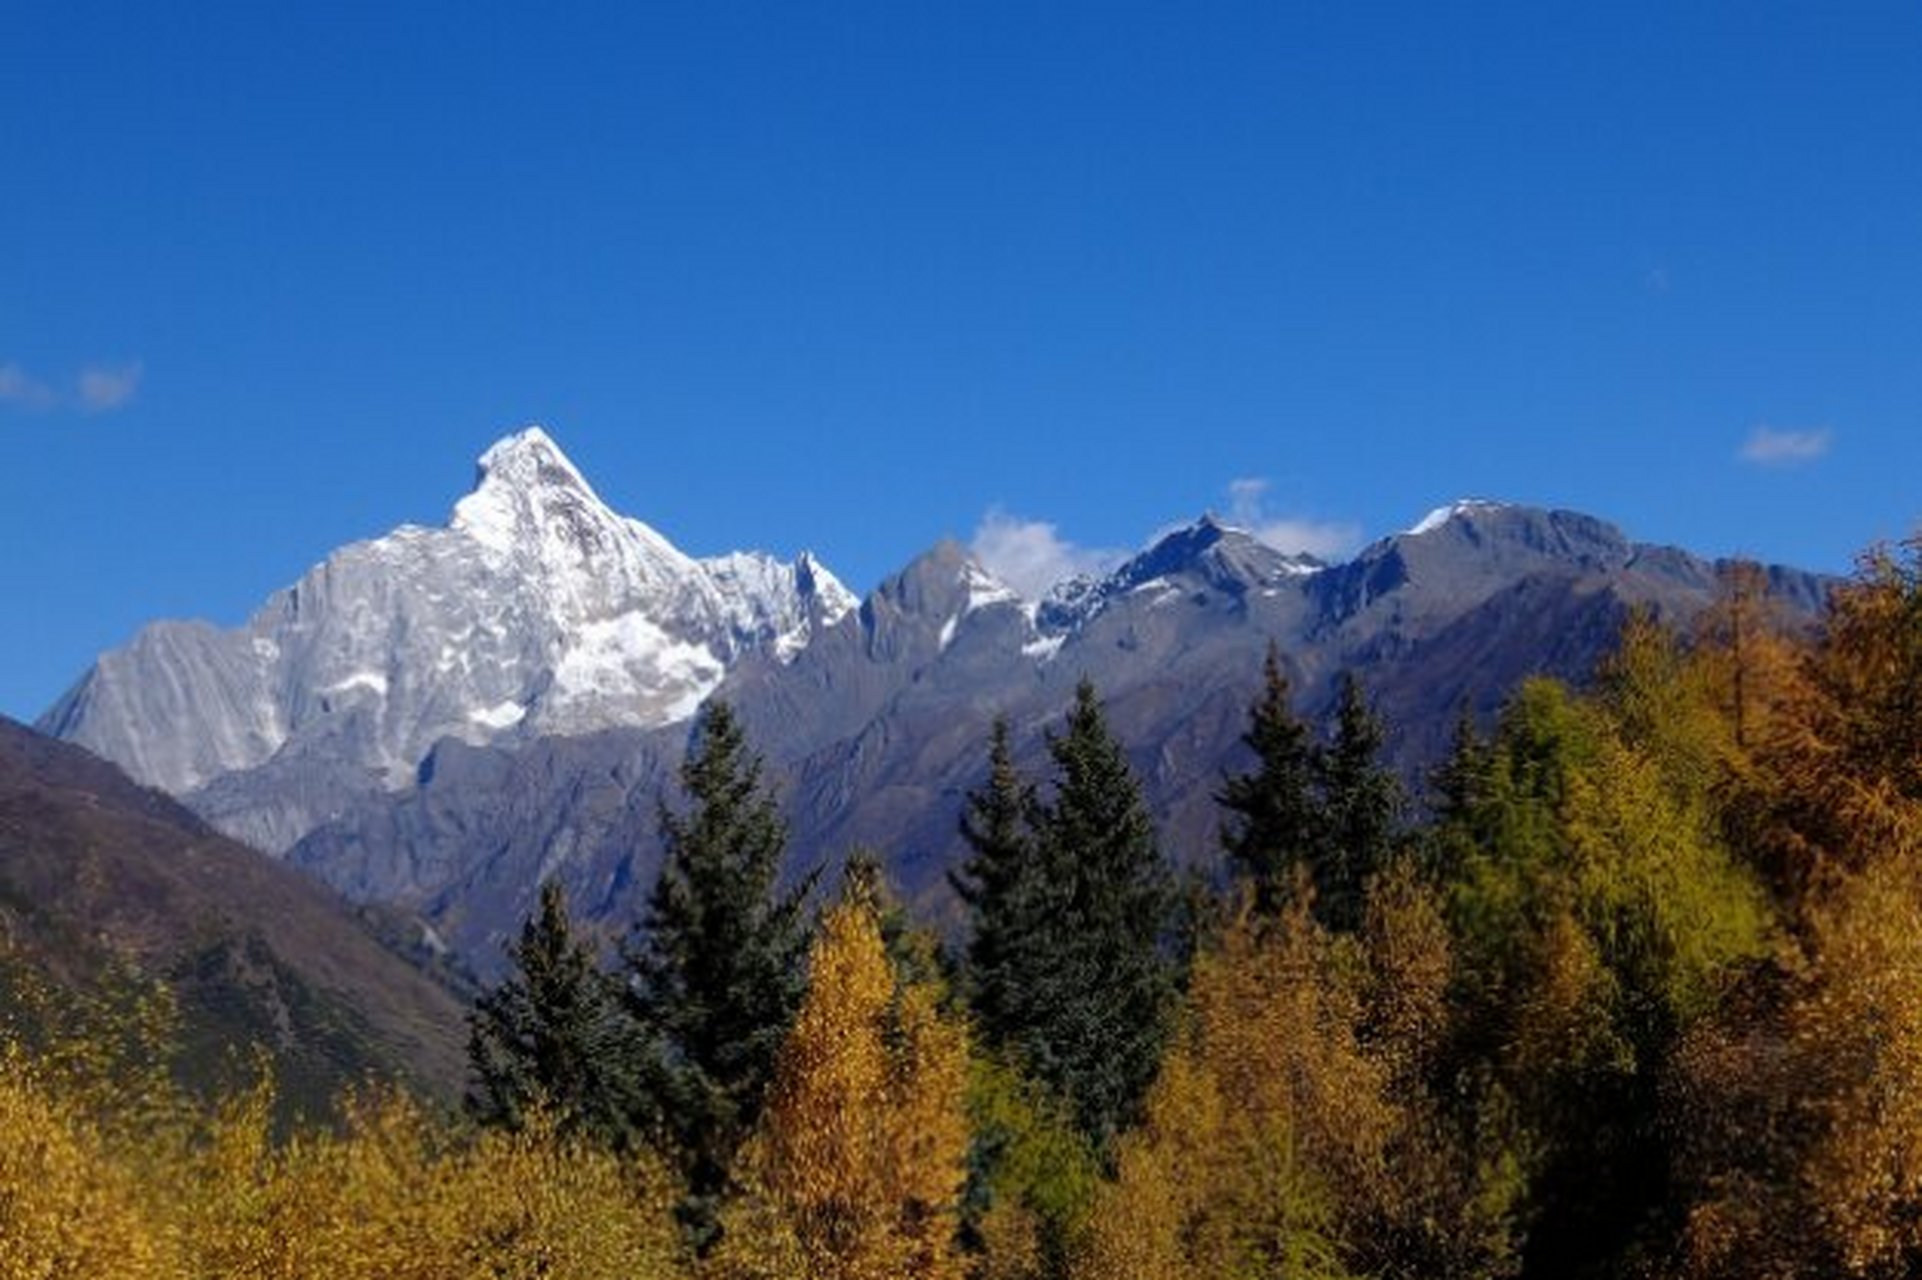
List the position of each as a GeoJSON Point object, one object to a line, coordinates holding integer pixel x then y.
{"type": "Point", "coordinates": [103, 387]}
{"type": "Point", "coordinates": [18, 387]}
{"type": "Point", "coordinates": [1772, 447]}
{"type": "Point", "coordinates": [1326, 539]}
{"type": "Point", "coordinates": [1031, 555]}
{"type": "Point", "coordinates": [97, 388]}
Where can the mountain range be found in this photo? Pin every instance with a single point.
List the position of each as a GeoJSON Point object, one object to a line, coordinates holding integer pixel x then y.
{"type": "Point", "coordinates": [439, 719]}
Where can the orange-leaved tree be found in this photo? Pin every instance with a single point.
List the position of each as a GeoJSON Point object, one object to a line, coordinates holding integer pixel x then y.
{"type": "Point", "coordinates": [857, 1168]}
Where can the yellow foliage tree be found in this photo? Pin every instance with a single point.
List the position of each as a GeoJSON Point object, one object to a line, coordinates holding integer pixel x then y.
{"type": "Point", "coordinates": [66, 1207]}
{"type": "Point", "coordinates": [857, 1170]}
{"type": "Point", "coordinates": [1841, 768]}
{"type": "Point", "coordinates": [1802, 1147]}
{"type": "Point", "coordinates": [1267, 1131]}
{"type": "Point", "coordinates": [1800, 1103]}
{"type": "Point", "coordinates": [394, 1196]}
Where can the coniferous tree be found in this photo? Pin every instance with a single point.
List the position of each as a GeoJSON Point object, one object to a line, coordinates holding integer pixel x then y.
{"type": "Point", "coordinates": [1007, 889]}
{"type": "Point", "coordinates": [1361, 808]}
{"type": "Point", "coordinates": [717, 976]}
{"type": "Point", "coordinates": [1274, 820]}
{"type": "Point", "coordinates": [1452, 783]}
{"type": "Point", "coordinates": [1073, 909]}
{"type": "Point", "coordinates": [551, 1038]}
{"type": "Point", "coordinates": [1105, 1005]}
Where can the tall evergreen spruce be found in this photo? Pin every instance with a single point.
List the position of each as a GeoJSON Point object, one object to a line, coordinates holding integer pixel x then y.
{"type": "Point", "coordinates": [552, 1035]}
{"type": "Point", "coordinates": [1103, 1001]}
{"type": "Point", "coordinates": [1007, 889]}
{"type": "Point", "coordinates": [1361, 805]}
{"type": "Point", "coordinates": [1274, 818]}
{"type": "Point", "coordinates": [718, 973]}
{"type": "Point", "coordinates": [1453, 784]}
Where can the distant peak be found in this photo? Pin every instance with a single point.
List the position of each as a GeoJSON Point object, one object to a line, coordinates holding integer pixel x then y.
{"type": "Point", "coordinates": [1189, 539]}
{"type": "Point", "coordinates": [817, 582]}
{"type": "Point", "coordinates": [1442, 515]}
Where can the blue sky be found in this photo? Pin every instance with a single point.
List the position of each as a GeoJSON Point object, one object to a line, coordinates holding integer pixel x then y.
{"type": "Point", "coordinates": [856, 277]}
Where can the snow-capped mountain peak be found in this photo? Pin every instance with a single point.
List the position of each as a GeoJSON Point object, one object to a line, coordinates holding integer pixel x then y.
{"type": "Point", "coordinates": [536, 610]}
{"type": "Point", "coordinates": [531, 504]}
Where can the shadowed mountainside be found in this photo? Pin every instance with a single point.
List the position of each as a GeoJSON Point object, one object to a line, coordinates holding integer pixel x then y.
{"type": "Point", "coordinates": [100, 875]}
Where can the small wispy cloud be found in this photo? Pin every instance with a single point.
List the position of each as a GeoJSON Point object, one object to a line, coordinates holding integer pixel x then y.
{"type": "Point", "coordinates": [1324, 539]}
{"type": "Point", "coordinates": [1655, 280]}
{"type": "Point", "coordinates": [1031, 555]}
{"type": "Point", "coordinates": [1775, 447]}
{"type": "Point", "coordinates": [24, 391]}
{"type": "Point", "coordinates": [97, 388]}
{"type": "Point", "coordinates": [100, 388]}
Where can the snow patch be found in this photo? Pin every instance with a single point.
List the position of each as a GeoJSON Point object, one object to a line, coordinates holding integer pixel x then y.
{"type": "Point", "coordinates": [1044, 647]}
{"type": "Point", "coordinates": [1164, 590]}
{"type": "Point", "coordinates": [629, 658]}
{"type": "Point", "coordinates": [1442, 515]}
{"type": "Point", "coordinates": [985, 589]}
{"type": "Point", "coordinates": [503, 715]}
{"type": "Point", "coordinates": [373, 680]}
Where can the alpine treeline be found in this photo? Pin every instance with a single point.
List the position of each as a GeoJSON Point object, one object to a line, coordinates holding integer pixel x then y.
{"type": "Point", "coordinates": [1631, 987]}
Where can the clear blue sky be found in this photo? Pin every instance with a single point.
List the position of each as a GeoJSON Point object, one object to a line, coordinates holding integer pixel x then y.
{"type": "Point", "coordinates": [850, 276]}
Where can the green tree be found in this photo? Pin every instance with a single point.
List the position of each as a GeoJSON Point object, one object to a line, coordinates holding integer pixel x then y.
{"type": "Point", "coordinates": [1073, 910]}
{"type": "Point", "coordinates": [1008, 890]}
{"type": "Point", "coordinates": [1600, 913]}
{"type": "Point", "coordinates": [1103, 1011]}
{"type": "Point", "coordinates": [1453, 784]}
{"type": "Point", "coordinates": [1361, 806]}
{"type": "Point", "coordinates": [1274, 820]}
{"type": "Point", "coordinates": [716, 977]}
{"type": "Point", "coordinates": [552, 1038]}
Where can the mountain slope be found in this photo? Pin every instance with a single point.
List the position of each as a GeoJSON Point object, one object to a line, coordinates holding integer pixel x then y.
{"type": "Point", "coordinates": [97, 871]}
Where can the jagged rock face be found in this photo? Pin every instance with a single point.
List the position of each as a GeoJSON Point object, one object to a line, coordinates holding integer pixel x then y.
{"type": "Point", "coordinates": [536, 611]}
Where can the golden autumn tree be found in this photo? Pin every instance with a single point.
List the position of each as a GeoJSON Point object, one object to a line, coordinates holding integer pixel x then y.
{"type": "Point", "coordinates": [396, 1195]}
{"type": "Point", "coordinates": [1841, 766]}
{"type": "Point", "coordinates": [1800, 1106]}
{"type": "Point", "coordinates": [1266, 1137]}
{"type": "Point", "coordinates": [1800, 1103]}
{"type": "Point", "coordinates": [857, 1168]}
{"type": "Point", "coordinates": [67, 1207]}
